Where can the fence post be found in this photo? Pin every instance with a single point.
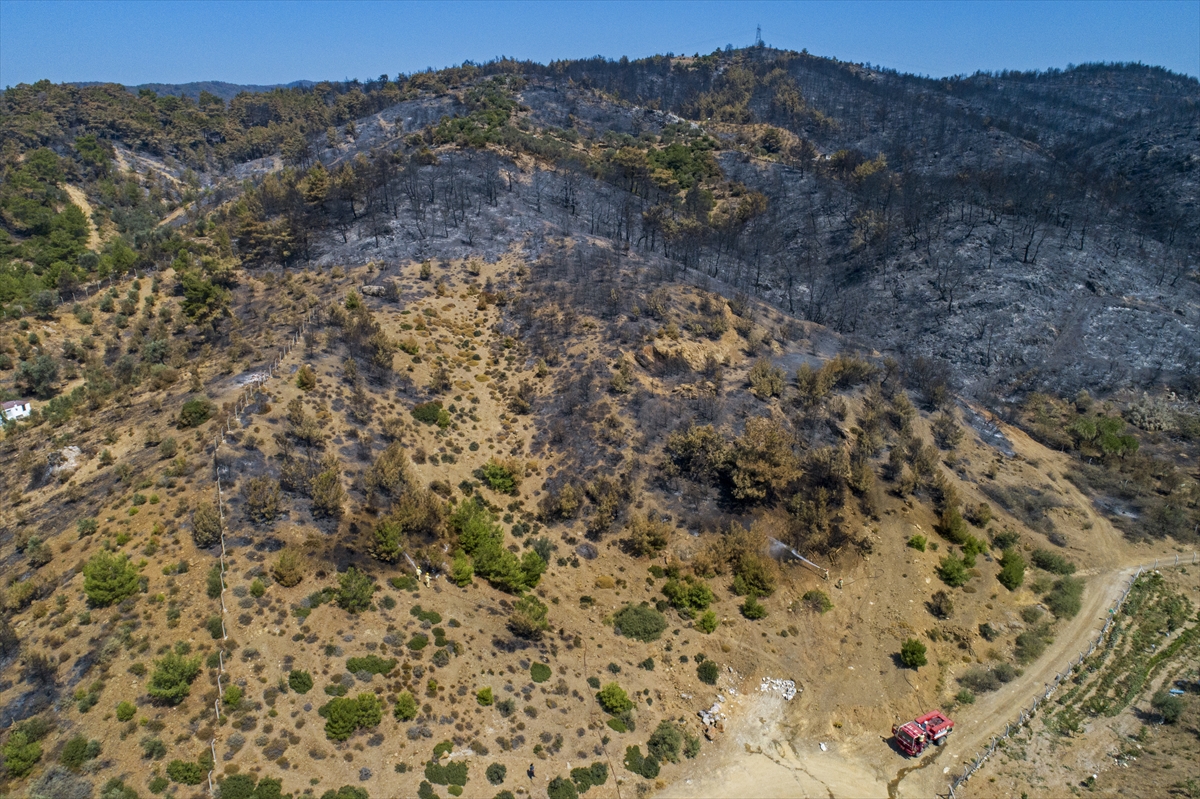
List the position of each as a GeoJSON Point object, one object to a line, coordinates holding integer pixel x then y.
{"type": "Point", "coordinates": [1027, 715]}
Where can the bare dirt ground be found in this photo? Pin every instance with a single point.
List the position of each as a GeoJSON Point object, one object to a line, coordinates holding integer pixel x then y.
{"type": "Point", "coordinates": [976, 724]}
{"type": "Point", "coordinates": [773, 748]}
{"type": "Point", "coordinates": [758, 758]}
{"type": "Point", "coordinates": [754, 759]}
{"type": "Point", "coordinates": [80, 199]}
{"type": "Point", "coordinates": [845, 660]}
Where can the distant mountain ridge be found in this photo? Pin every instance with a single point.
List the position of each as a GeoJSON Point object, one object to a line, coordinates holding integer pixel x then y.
{"type": "Point", "coordinates": [1027, 231]}
{"type": "Point", "coordinates": [226, 91]}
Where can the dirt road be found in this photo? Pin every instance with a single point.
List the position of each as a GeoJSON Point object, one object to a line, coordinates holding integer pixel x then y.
{"type": "Point", "coordinates": [756, 757]}
{"type": "Point", "coordinates": [976, 724]}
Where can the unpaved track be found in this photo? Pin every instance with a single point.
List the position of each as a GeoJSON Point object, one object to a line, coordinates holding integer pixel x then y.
{"type": "Point", "coordinates": [756, 759]}
{"type": "Point", "coordinates": [976, 724]}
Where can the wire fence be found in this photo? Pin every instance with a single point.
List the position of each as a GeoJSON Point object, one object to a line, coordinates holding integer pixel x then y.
{"type": "Point", "coordinates": [248, 396]}
{"type": "Point", "coordinates": [997, 740]}
{"type": "Point", "coordinates": [85, 291]}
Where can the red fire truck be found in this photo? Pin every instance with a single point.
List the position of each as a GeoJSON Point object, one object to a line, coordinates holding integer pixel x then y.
{"type": "Point", "coordinates": [912, 737]}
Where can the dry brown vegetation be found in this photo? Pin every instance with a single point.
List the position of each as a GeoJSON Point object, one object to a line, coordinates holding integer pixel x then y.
{"type": "Point", "coordinates": [600, 459]}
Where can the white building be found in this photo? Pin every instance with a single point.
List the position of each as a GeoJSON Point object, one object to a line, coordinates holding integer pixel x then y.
{"type": "Point", "coordinates": [15, 409]}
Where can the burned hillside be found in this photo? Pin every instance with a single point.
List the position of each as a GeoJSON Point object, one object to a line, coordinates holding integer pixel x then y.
{"type": "Point", "coordinates": [547, 410]}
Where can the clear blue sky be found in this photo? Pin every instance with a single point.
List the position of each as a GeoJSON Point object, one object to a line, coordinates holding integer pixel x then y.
{"type": "Point", "coordinates": [276, 42]}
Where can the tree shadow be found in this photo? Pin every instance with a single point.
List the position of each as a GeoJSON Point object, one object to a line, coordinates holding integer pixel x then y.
{"type": "Point", "coordinates": [890, 740]}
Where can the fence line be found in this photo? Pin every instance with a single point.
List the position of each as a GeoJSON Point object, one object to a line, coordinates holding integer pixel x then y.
{"type": "Point", "coordinates": [85, 291]}
{"type": "Point", "coordinates": [240, 403]}
{"type": "Point", "coordinates": [1026, 715]}
{"type": "Point", "coordinates": [212, 744]}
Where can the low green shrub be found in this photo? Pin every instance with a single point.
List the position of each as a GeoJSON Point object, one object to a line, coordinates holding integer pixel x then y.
{"type": "Point", "coordinates": [109, 578]}
{"type": "Point", "coordinates": [666, 741]}
{"type": "Point", "coordinates": [172, 677]}
{"type": "Point", "coordinates": [953, 571]}
{"type": "Point", "coordinates": [1051, 562]}
{"type": "Point", "coordinates": [1006, 539]}
{"type": "Point", "coordinates": [187, 772]}
{"type": "Point", "coordinates": [300, 681]}
{"type": "Point", "coordinates": [153, 748]}
{"type": "Point", "coordinates": [1169, 707]}
{"type": "Point", "coordinates": [406, 707]}
{"type": "Point", "coordinates": [232, 696]}
{"type": "Point", "coordinates": [560, 788]}
{"type": "Point", "coordinates": [1031, 643]}
{"type": "Point", "coordinates": [371, 663]}
{"type": "Point", "coordinates": [980, 680]}
{"type": "Point", "coordinates": [351, 792]}
{"type": "Point", "coordinates": [688, 594]}
{"type": "Point", "coordinates": [913, 654]}
{"type": "Point", "coordinates": [818, 600]}
{"type": "Point", "coordinates": [753, 610]}
{"type": "Point", "coordinates": [647, 766]}
{"type": "Point", "coordinates": [214, 583]}
{"type": "Point", "coordinates": [496, 773]}
{"type": "Point", "coordinates": [1066, 597]}
{"type": "Point", "coordinates": [194, 413]}
{"type": "Point", "coordinates": [214, 627]}
{"type": "Point", "coordinates": [1012, 569]}
{"type": "Point", "coordinates": [452, 773]}
{"type": "Point", "coordinates": [640, 622]}
{"type": "Point", "coordinates": [354, 590]}
{"type": "Point", "coordinates": [500, 477]}
{"type": "Point", "coordinates": [425, 615]}
{"type": "Point", "coordinates": [78, 751]}
{"type": "Point", "coordinates": [614, 700]}
{"type": "Point", "coordinates": [344, 716]}
{"type": "Point", "coordinates": [431, 413]}
{"type": "Point", "coordinates": [405, 583]}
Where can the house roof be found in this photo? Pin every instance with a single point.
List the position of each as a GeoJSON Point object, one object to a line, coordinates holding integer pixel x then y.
{"type": "Point", "coordinates": [14, 404]}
